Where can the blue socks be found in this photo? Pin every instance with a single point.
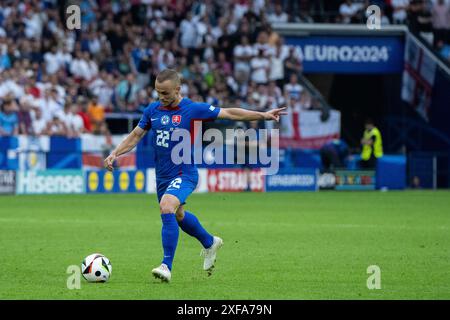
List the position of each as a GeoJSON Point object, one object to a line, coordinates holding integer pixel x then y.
{"type": "Point", "coordinates": [169, 235]}
{"type": "Point", "coordinates": [192, 227]}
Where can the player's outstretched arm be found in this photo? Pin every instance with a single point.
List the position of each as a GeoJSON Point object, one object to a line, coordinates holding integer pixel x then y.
{"type": "Point", "coordinates": [126, 145]}
{"type": "Point", "coordinates": [248, 115]}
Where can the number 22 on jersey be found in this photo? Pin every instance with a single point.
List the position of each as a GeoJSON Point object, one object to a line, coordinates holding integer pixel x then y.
{"type": "Point", "coordinates": [162, 136]}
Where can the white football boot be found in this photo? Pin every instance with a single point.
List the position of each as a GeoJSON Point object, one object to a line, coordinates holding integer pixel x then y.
{"type": "Point", "coordinates": [210, 254]}
{"type": "Point", "coordinates": [162, 272]}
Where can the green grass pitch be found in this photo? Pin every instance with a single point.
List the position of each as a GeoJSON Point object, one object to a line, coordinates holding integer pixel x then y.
{"type": "Point", "coordinates": [276, 246]}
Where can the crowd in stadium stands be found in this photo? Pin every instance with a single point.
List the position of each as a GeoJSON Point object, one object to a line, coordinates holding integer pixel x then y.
{"type": "Point", "coordinates": [60, 82]}
{"type": "Point", "coordinates": [429, 18]}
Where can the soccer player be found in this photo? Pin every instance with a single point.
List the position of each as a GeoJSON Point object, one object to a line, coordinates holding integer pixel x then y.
{"type": "Point", "coordinates": [175, 182]}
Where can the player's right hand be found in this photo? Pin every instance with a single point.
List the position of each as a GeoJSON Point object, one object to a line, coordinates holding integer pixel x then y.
{"type": "Point", "coordinates": [109, 161]}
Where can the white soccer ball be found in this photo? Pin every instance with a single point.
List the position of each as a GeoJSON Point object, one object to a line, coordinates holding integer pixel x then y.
{"type": "Point", "coordinates": [96, 268]}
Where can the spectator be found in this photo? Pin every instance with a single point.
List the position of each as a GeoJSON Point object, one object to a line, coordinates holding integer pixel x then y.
{"type": "Point", "coordinates": [96, 114]}
{"type": "Point", "coordinates": [52, 64]}
{"type": "Point", "coordinates": [262, 43]}
{"type": "Point", "coordinates": [39, 123]}
{"type": "Point", "coordinates": [9, 122]}
{"type": "Point", "coordinates": [334, 155]}
{"type": "Point", "coordinates": [419, 18]}
{"type": "Point", "coordinates": [276, 94]}
{"type": "Point", "coordinates": [126, 91]}
{"type": "Point", "coordinates": [159, 25]}
{"type": "Point", "coordinates": [349, 11]}
{"type": "Point", "coordinates": [5, 60]}
{"type": "Point", "coordinates": [76, 122]}
{"type": "Point", "coordinates": [277, 66]}
{"type": "Point", "coordinates": [260, 67]}
{"type": "Point", "coordinates": [79, 67]}
{"type": "Point", "coordinates": [56, 127]}
{"type": "Point", "coordinates": [142, 63]}
{"type": "Point", "coordinates": [82, 111]}
{"type": "Point", "coordinates": [400, 8]}
{"type": "Point", "coordinates": [143, 101]}
{"type": "Point", "coordinates": [293, 89]}
{"type": "Point", "coordinates": [49, 104]}
{"type": "Point", "coordinates": [224, 65]}
{"type": "Point", "coordinates": [24, 117]}
{"type": "Point", "coordinates": [95, 42]}
{"type": "Point", "coordinates": [72, 121]}
{"type": "Point", "coordinates": [444, 50]}
{"type": "Point", "coordinates": [292, 64]}
{"type": "Point", "coordinates": [278, 16]}
{"type": "Point", "coordinates": [440, 17]}
{"type": "Point", "coordinates": [188, 32]}
{"type": "Point", "coordinates": [243, 54]}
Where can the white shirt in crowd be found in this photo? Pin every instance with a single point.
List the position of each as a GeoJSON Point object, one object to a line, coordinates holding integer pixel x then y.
{"type": "Point", "coordinates": [441, 16]}
{"type": "Point", "coordinates": [51, 63]}
{"type": "Point", "coordinates": [38, 125]}
{"type": "Point", "coordinates": [188, 33]}
{"type": "Point", "coordinates": [95, 45]}
{"type": "Point", "coordinates": [346, 9]}
{"type": "Point", "coordinates": [277, 63]}
{"type": "Point", "coordinates": [399, 13]}
{"type": "Point", "coordinates": [82, 68]}
{"type": "Point", "coordinates": [293, 90]}
{"type": "Point", "coordinates": [49, 108]}
{"type": "Point", "coordinates": [159, 26]}
{"type": "Point", "coordinates": [260, 66]}
{"type": "Point", "coordinates": [274, 18]}
{"type": "Point", "coordinates": [57, 60]}
{"type": "Point", "coordinates": [166, 57]}
{"type": "Point", "coordinates": [265, 47]}
{"type": "Point", "coordinates": [276, 68]}
{"type": "Point", "coordinates": [104, 94]}
{"type": "Point", "coordinates": [102, 90]}
{"type": "Point", "coordinates": [239, 10]}
{"type": "Point", "coordinates": [10, 86]}
{"type": "Point", "coordinates": [258, 6]}
{"type": "Point", "coordinates": [72, 121]}
{"type": "Point", "coordinates": [242, 51]}
{"type": "Point", "coordinates": [34, 25]}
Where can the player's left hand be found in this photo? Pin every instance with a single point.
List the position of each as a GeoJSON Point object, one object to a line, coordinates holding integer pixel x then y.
{"type": "Point", "coordinates": [275, 114]}
{"type": "Point", "coordinates": [109, 161]}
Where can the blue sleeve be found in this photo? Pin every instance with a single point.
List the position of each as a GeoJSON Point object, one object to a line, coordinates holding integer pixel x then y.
{"type": "Point", "coordinates": [145, 122]}
{"type": "Point", "coordinates": [204, 111]}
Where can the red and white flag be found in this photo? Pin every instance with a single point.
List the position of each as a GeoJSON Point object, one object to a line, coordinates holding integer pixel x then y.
{"type": "Point", "coordinates": [305, 129]}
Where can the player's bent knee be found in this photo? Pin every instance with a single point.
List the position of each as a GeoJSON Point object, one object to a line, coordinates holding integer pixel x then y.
{"type": "Point", "coordinates": [167, 207]}
{"type": "Point", "coordinates": [168, 204]}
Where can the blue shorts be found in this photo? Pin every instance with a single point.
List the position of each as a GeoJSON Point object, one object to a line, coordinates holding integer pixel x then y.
{"type": "Point", "coordinates": [180, 187]}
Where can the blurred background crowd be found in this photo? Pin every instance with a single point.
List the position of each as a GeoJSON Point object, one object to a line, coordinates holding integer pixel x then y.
{"type": "Point", "coordinates": [56, 81]}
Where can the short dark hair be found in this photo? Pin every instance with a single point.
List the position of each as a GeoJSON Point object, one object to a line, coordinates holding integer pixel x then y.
{"type": "Point", "coordinates": [169, 74]}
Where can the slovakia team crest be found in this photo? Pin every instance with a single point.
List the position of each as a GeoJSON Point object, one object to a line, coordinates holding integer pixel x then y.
{"type": "Point", "coordinates": [164, 119]}
{"type": "Point", "coordinates": [176, 119]}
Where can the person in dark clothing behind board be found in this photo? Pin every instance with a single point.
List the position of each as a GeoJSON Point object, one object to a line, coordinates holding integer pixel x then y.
{"type": "Point", "coordinates": [334, 155]}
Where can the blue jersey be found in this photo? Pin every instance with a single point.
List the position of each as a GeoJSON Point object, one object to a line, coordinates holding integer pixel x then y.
{"type": "Point", "coordinates": [162, 121]}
